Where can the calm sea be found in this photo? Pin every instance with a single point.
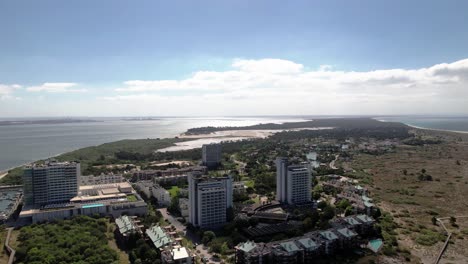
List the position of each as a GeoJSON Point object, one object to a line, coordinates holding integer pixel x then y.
{"type": "Point", "coordinates": [20, 144]}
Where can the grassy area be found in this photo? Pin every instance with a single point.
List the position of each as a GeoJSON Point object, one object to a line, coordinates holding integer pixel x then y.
{"type": "Point", "coordinates": [249, 183]}
{"type": "Point", "coordinates": [3, 254]}
{"type": "Point", "coordinates": [123, 256]}
{"type": "Point", "coordinates": [173, 191]}
{"type": "Point", "coordinates": [395, 182]}
{"type": "Point", "coordinates": [132, 198]}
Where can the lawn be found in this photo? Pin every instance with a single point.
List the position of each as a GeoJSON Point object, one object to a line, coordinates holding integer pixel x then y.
{"type": "Point", "coordinates": [173, 191]}
{"type": "Point", "coordinates": [131, 198]}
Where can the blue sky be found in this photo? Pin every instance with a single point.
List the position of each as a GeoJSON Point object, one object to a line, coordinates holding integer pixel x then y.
{"type": "Point", "coordinates": [98, 46]}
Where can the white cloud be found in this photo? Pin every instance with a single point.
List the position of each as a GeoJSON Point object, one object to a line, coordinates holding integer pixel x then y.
{"type": "Point", "coordinates": [55, 88]}
{"type": "Point", "coordinates": [273, 86]}
{"type": "Point", "coordinates": [6, 91]}
{"type": "Point", "coordinates": [276, 87]}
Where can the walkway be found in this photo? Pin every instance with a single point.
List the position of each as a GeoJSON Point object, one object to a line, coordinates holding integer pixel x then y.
{"type": "Point", "coordinates": [449, 235]}
{"type": "Point", "coordinates": [9, 249]}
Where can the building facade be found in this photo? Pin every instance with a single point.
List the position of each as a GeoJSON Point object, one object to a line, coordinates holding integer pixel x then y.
{"type": "Point", "coordinates": [211, 155]}
{"type": "Point", "coordinates": [293, 182]}
{"type": "Point", "coordinates": [209, 200]}
{"type": "Point", "coordinates": [52, 182]}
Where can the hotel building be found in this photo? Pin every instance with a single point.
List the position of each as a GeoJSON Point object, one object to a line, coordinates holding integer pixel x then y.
{"type": "Point", "coordinates": [209, 199]}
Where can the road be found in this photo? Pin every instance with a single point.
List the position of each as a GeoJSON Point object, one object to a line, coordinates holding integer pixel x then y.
{"type": "Point", "coordinates": [188, 234]}
{"type": "Point", "coordinates": [332, 164]}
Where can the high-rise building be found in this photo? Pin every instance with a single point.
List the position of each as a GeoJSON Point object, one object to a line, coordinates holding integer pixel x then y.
{"type": "Point", "coordinates": [211, 155]}
{"type": "Point", "coordinates": [52, 182]}
{"type": "Point", "coordinates": [209, 199]}
{"type": "Point", "coordinates": [293, 182]}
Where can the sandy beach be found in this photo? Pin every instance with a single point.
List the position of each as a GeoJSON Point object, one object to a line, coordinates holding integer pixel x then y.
{"type": "Point", "coordinates": [228, 135]}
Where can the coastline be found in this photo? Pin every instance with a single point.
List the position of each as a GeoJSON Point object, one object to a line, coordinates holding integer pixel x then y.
{"type": "Point", "coordinates": [424, 128]}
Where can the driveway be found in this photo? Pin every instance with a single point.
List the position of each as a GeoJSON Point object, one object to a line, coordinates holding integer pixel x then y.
{"type": "Point", "coordinates": [188, 234]}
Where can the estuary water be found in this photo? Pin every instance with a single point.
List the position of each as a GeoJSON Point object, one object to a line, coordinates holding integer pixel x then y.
{"type": "Point", "coordinates": [20, 144]}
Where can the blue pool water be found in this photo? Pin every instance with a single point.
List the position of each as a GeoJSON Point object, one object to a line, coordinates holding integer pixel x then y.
{"type": "Point", "coordinates": [92, 205]}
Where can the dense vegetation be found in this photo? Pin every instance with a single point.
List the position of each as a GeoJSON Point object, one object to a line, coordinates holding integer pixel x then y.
{"type": "Point", "coordinates": [79, 240]}
{"type": "Point", "coordinates": [349, 123]}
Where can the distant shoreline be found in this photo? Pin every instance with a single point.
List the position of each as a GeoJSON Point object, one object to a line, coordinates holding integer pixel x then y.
{"type": "Point", "coordinates": [425, 128]}
{"type": "Point", "coordinates": [45, 122]}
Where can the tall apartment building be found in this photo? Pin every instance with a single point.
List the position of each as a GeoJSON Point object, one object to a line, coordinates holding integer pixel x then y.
{"type": "Point", "coordinates": [209, 199]}
{"type": "Point", "coordinates": [52, 182]}
{"type": "Point", "coordinates": [293, 182]}
{"type": "Point", "coordinates": [211, 155]}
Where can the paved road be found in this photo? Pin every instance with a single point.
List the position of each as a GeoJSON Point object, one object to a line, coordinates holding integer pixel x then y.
{"type": "Point", "coordinates": [188, 234]}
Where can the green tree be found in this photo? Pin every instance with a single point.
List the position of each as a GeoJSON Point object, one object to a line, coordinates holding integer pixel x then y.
{"type": "Point", "coordinates": [208, 236]}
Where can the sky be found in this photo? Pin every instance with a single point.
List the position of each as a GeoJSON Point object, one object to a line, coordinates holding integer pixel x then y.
{"type": "Point", "coordinates": [217, 58]}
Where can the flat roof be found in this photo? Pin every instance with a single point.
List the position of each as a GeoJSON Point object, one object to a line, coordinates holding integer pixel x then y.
{"type": "Point", "coordinates": [180, 253]}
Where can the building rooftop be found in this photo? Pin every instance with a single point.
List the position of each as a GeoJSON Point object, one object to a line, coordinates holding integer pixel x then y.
{"type": "Point", "coordinates": [9, 197]}
{"type": "Point", "coordinates": [307, 243]}
{"type": "Point", "coordinates": [364, 218]}
{"type": "Point", "coordinates": [179, 253]}
{"type": "Point", "coordinates": [351, 221]}
{"type": "Point", "coordinates": [125, 224]}
{"type": "Point", "coordinates": [346, 232]}
{"type": "Point", "coordinates": [289, 246]}
{"type": "Point", "coordinates": [328, 235]}
{"type": "Point", "coordinates": [247, 246]}
{"type": "Point", "coordinates": [158, 236]}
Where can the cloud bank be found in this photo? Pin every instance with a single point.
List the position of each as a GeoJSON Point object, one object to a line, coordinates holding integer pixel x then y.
{"type": "Point", "coordinates": [272, 87]}
{"type": "Point", "coordinates": [55, 88]}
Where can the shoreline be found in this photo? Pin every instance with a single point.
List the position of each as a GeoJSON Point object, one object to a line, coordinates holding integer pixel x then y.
{"type": "Point", "coordinates": [229, 135]}
{"type": "Point", "coordinates": [424, 128]}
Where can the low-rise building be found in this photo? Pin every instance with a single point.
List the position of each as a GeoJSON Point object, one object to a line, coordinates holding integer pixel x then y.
{"type": "Point", "coordinates": [177, 255]}
{"type": "Point", "coordinates": [106, 200]}
{"type": "Point", "coordinates": [126, 227]}
{"type": "Point", "coordinates": [238, 187]}
{"type": "Point", "coordinates": [101, 179]}
{"type": "Point", "coordinates": [184, 207]}
{"type": "Point", "coordinates": [159, 237]}
{"type": "Point", "coordinates": [307, 248]}
{"type": "Point", "coordinates": [10, 198]}
{"type": "Point", "coordinates": [162, 195]}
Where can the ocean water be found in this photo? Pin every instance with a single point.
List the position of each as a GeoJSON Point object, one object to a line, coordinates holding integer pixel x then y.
{"type": "Point", "coordinates": [20, 144]}
{"type": "Point", "coordinates": [451, 123]}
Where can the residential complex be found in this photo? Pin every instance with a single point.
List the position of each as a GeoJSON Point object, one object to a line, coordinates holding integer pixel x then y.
{"type": "Point", "coordinates": [347, 233]}
{"type": "Point", "coordinates": [101, 179]}
{"type": "Point", "coordinates": [126, 227]}
{"type": "Point", "coordinates": [293, 182]}
{"type": "Point", "coordinates": [152, 189]}
{"type": "Point", "coordinates": [52, 182]}
{"type": "Point", "coordinates": [211, 155]}
{"type": "Point", "coordinates": [209, 199]}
